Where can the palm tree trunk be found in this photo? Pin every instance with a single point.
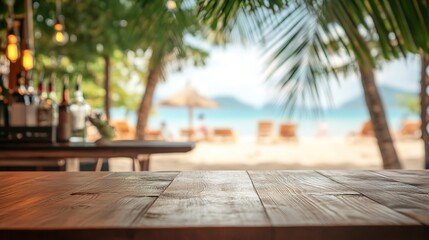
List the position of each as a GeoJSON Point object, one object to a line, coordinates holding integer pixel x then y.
{"type": "Point", "coordinates": [378, 117]}
{"type": "Point", "coordinates": [146, 103]}
{"type": "Point", "coordinates": [107, 99]}
{"type": "Point", "coordinates": [424, 104]}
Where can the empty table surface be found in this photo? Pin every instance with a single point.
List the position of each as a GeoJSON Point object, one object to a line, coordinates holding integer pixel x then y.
{"type": "Point", "coordinates": [215, 205]}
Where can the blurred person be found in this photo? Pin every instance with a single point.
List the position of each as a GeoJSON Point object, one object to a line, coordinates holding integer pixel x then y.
{"type": "Point", "coordinates": [202, 129]}
{"type": "Point", "coordinates": [165, 132]}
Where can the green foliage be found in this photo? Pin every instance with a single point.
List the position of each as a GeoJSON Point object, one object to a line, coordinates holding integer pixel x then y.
{"type": "Point", "coordinates": [304, 36]}
{"type": "Point", "coordinates": [165, 32]}
{"type": "Point", "coordinates": [96, 29]}
{"type": "Point", "coordinates": [412, 104]}
{"type": "Point", "coordinates": [103, 127]}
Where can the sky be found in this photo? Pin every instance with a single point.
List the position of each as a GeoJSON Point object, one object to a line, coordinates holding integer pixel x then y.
{"type": "Point", "coordinates": [238, 71]}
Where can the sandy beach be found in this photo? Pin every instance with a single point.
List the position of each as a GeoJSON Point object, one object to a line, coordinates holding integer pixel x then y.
{"type": "Point", "coordinates": [305, 153]}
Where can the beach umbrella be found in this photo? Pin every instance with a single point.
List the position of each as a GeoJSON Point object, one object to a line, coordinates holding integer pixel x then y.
{"type": "Point", "coordinates": [189, 98]}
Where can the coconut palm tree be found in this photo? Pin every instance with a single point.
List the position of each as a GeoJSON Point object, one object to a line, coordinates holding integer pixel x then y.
{"type": "Point", "coordinates": [303, 36]}
{"type": "Point", "coordinates": [165, 32]}
{"type": "Point", "coordinates": [424, 104]}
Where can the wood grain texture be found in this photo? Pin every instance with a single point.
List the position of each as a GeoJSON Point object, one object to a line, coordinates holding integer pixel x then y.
{"type": "Point", "coordinates": [401, 197]}
{"type": "Point", "coordinates": [207, 199]}
{"type": "Point", "coordinates": [307, 204]}
{"type": "Point", "coordinates": [9, 179]}
{"type": "Point", "coordinates": [40, 188]}
{"type": "Point", "coordinates": [113, 200]}
{"type": "Point", "coordinates": [314, 205]}
{"type": "Point", "coordinates": [417, 178]}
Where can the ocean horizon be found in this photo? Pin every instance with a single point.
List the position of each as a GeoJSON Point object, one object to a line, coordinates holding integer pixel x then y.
{"type": "Point", "coordinates": [335, 122]}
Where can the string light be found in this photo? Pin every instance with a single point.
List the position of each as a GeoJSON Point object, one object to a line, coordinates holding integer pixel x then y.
{"type": "Point", "coordinates": [171, 5]}
{"type": "Point", "coordinates": [12, 49]}
{"type": "Point", "coordinates": [60, 37]}
{"type": "Point", "coordinates": [27, 53]}
{"type": "Point", "coordinates": [27, 59]}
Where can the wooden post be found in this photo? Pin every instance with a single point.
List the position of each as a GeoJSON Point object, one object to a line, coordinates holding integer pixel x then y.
{"type": "Point", "coordinates": [107, 99]}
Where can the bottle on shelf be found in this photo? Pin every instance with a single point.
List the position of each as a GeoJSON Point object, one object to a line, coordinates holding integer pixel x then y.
{"type": "Point", "coordinates": [31, 108]}
{"type": "Point", "coordinates": [20, 101]}
{"type": "Point", "coordinates": [64, 116]}
{"type": "Point", "coordinates": [4, 102]}
{"type": "Point", "coordinates": [41, 93]}
{"type": "Point", "coordinates": [79, 110]}
{"type": "Point", "coordinates": [47, 111]}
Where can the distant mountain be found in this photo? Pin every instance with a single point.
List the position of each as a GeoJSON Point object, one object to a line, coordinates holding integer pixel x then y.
{"type": "Point", "coordinates": [388, 94]}
{"type": "Point", "coordinates": [227, 102]}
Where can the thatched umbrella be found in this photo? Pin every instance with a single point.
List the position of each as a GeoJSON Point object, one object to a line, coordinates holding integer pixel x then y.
{"type": "Point", "coordinates": [189, 98]}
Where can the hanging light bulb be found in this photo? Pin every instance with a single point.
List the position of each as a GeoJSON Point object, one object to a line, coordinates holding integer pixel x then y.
{"type": "Point", "coordinates": [27, 52]}
{"type": "Point", "coordinates": [171, 5]}
{"type": "Point", "coordinates": [60, 37]}
{"type": "Point", "coordinates": [27, 59]}
{"type": "Point", "coordinates": [12, 49]}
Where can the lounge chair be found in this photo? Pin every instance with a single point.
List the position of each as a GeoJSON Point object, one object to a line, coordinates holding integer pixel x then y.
{"type": "Point", "coordinates": [123, 130]}
{"type": "Point", "coordinates": [410, 129]}
{"type": "Point", "coordinates": [224, 134]}
{"type": "Point", "coordinates": [287, 131]}
{"type": "Point", "coordinates": [151, 134]}
{"type": "Point", "coordinates": [367, 130]}
{"type": "Point", "coordinates": [265, 130]}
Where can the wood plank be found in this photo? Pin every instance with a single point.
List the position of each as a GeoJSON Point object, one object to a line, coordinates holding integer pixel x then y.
{"type": "Point", "coordinates": [206, 205]}
{"type": "Point", "coordinates": [37, 188]}
{"type": "Point", "coordinates": [307, 205]}
{"type": "Point", "coordinates": [404, 198]}
{"type": "Point", "coordinates": [208, 199]}
{"type": "Point", "coordinates": [114, 200]}
{"type": "Point", "coordinates": [417, 178]}
{"type": "Point", "coordinates": [8, 179]}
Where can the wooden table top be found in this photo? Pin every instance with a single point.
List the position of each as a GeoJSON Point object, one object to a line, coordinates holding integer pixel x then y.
{"type": "Point", "coordinates": [125, 148]}
{"type": "Point", "coordinates": [215, 205]}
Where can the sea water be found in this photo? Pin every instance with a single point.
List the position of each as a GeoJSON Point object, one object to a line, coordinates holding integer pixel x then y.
{"type": "Point", "coordinates": [335, 122]}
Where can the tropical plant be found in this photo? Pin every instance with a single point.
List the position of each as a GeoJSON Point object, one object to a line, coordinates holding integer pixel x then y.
{"type": "Point", "coordinates": [303, 36]}
{"type": "Point", "coordinates": [410, 103]}
{"type": "Point", "coordinates": [165, 34]}
{"type": "Point", "coordinates": [97, 29]}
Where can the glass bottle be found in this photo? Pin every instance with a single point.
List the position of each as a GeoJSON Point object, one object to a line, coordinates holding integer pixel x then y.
{"type": "Point", "coordinates": [4, 102]}
{"type": "Point", "coordinates": [64, 116]}
{"type": "Point", "coordinates": [20, 101]}
{"type": "Point", "coordinates": [41, 89]}
{"type": "Point", "coordinates": [79, 111]}
{"type": "Point", "coordinates": [47, 112]}
{"type": "Point", "coordinates": [31, 108]}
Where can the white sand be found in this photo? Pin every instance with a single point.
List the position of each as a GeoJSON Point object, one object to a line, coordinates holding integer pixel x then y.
{"type": "Point", "coordinates": [306, 153]}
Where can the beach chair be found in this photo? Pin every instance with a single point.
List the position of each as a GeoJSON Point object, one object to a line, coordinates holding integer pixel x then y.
{"type": "Point", "coordinates": [224, 134]}
{"type": "Point", "coordinates": [410, 129]}
{"type": "Point", "coordinates": [265, 130]}
{"type": "Point", "coordinates": [367, 130]}
{"type": "Point", "coordinates": [123, 130]}
{"type": "Point", "coordinates": [151, 134]}
{"type": "Point", "coordinates": [287, 131]}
